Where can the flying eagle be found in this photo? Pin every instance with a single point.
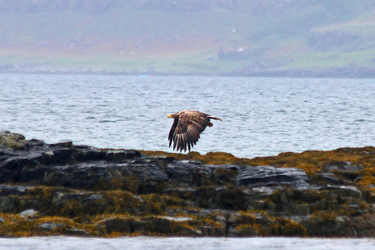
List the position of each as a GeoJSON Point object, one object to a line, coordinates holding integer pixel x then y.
{"type": "Point", "coordinates": [186, 128]}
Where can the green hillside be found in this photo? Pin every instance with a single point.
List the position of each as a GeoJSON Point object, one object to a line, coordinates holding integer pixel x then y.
{"type": "Point", "coordinates": [258, 37]}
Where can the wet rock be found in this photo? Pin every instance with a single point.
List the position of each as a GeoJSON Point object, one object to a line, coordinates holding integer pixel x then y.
{"type": "Point", "coordinates": [326, 224]}
{"type": "Point", "coordinates": [362, 226]}
{"type": "Point", "coordinates": [351, 191]}
{"type": "Point", "coordinates": [224, 174]}
{"type": "Point", "coordinates": [76, 232]}
{"type": "Point", "coordinates": [344, 170]}
{"type": "Point", "coordinates": [188, 172]}
{"type": "Point", "coordinates": [160, 225]}
{"type": "Point", "coordinates": [170, 227]}
{"type": "Point", "coordinates": [125, 225]}
{"type": "Point", "coordinates": [29, 213]}
{"type": "Point", "coordinates": [244, 218]}
{"type": "Point", "coordinates": [51, 226]}
{"type": "Point", "coordinates": [62, 144]}
{"type": "Point", "coordinates": [70, 204]}
{"type": "Point", "coordinates": [35, 143]}
{"type": "Point", "coordinates": [221, 197]}
{"type": "Point", "coordinates": [95, 197]}
{"type": "Point", "coordinates": [243, 230]}
{"type": "Point", "coordinates": [83, 190]}
{"type": "Point", "coordinates": [342, 166]}
{"type": "Point", "coordinates": [214, 229]}
{"type": "Point", "coordinates": [13, 190]}
{"type": "Point", "coordinates": [119, 155]}
{"type": "Point", "coordinates": [270, 176]}
{"type": "Point", "coordinates": [328, 178]}
{"type": "Point", "coordinates": [177, 219]}
{"type": "Point", "coordinates": [8, 204]}
{"type": "Point", "coordinates": [265, 191]}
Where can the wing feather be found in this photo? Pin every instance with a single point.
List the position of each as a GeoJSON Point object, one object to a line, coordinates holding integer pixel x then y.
{"type": "Point", "coordinates": [171, 132]}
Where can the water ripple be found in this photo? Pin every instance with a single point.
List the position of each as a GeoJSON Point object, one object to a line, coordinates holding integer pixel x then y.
{"type": "Point", "coordinates": [261, 116]}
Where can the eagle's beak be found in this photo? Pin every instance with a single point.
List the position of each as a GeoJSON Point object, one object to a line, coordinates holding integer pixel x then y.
{"type": "Point", "coordinates": [170, 116]}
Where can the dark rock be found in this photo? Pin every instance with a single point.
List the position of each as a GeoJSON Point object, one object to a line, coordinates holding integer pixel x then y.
{"type": "Point", "coordinates": [342, 166]}
{"type": "Point", "coordinates": [63, 144]}
{"type": "Point", "coordinates": [245, 230]}
{"type": "Point", "coordinates": [270, 176]}
{"type": "Point", "coordinates": [8, 204]}
{"type": "Point", "coordinates": [221, 197]}
{"type": "Point", "coordinates": [328, 178]}
{"type": "Point", "coordinates": [326, 224]}
{"type": "Point", "coordinates": [264, 190]}
{"type": "Point", "coordinates": [76, 232]}
{"type": "Point", "coordinates": [214, 229]}
{"type": "Point", "coordinates": [163, 225]}
{"type": "Point", "coordinates": [29, 213]}
{"type": "Point", "coordinates": [95, 197]}
{"type": "Point", "coordinates": [343, 190]}
{"type": "Point", "coordinates": [60, 155]}
{"type": "Point", "coordinates": [188, 172]}
{"type": "Point", "coordinates": [34, 143]}
{"type": "Point", "coordinates": [125, 225]}
{"type": "Point", "coordinates": [362, 226]}
{"type": "Point", "coordinates": [224, 174]}
{"type": "Point", "coordinates": [13, 190]}
{"type": "Point", "coordinates": [69, 204]}
{"type": "Point", "coordinates": [346, 171]}
{"type": "Point", "coordinates": [149, 225]}
{"type": "Point", "coordinates": [51, 226]}
{"type": "Point", "coordinates": [186, 193]}
{"type": "Point", "coordinates": [119, 155]}
{"type": "Point", "coordinates": [90, 191]}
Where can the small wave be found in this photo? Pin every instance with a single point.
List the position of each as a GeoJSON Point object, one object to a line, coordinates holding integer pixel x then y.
{"type": "Point", "coordinates": [107, 121]}
{"type": "Point", "coordinates": [361, 120]}
{"type": "Point", "coordinates": [283, 111]}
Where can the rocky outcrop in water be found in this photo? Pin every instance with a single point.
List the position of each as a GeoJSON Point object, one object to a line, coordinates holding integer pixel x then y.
{"type": "Point", "coordinates": [49, 189]}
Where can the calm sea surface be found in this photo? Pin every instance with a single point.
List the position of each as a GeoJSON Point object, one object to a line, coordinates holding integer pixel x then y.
{"type": "Point", "coordinates": [261, 116]}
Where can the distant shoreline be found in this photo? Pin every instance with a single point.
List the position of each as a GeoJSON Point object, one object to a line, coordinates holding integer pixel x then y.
{"type": "Point", "coordinates": [281, 74]}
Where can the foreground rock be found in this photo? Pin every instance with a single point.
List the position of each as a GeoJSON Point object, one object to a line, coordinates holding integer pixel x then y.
{"type": "Point", "coordinates": [48, 189]}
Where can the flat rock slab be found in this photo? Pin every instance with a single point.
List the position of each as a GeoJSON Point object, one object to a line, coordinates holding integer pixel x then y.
{"type": "Point", "coordinates": [271, 176]}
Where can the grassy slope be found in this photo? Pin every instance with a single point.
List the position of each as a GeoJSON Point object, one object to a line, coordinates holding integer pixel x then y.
{"type": "Point", "coordinates": [144, 40]}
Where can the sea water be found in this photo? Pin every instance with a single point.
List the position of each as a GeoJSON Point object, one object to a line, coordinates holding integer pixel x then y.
{"type": "Point", "coordinates": [261, 116]}
{"type": "Point", "coordinates": [173, 243]}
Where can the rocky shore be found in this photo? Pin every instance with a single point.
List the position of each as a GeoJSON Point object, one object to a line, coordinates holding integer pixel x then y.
{"type": "Point", "coordinates": [67, 189]}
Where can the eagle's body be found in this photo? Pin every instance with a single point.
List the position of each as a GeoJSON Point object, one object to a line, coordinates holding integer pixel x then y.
{"type": "Point", "coordinates": [186, 128]}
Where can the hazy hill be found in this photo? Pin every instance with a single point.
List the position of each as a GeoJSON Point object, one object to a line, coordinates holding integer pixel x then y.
{"type": "Point", "coordinates": [254, 37]}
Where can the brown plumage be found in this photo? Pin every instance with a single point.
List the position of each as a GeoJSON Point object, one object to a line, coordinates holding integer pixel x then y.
{"type": "Point", "coordinates": [187, 127]}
